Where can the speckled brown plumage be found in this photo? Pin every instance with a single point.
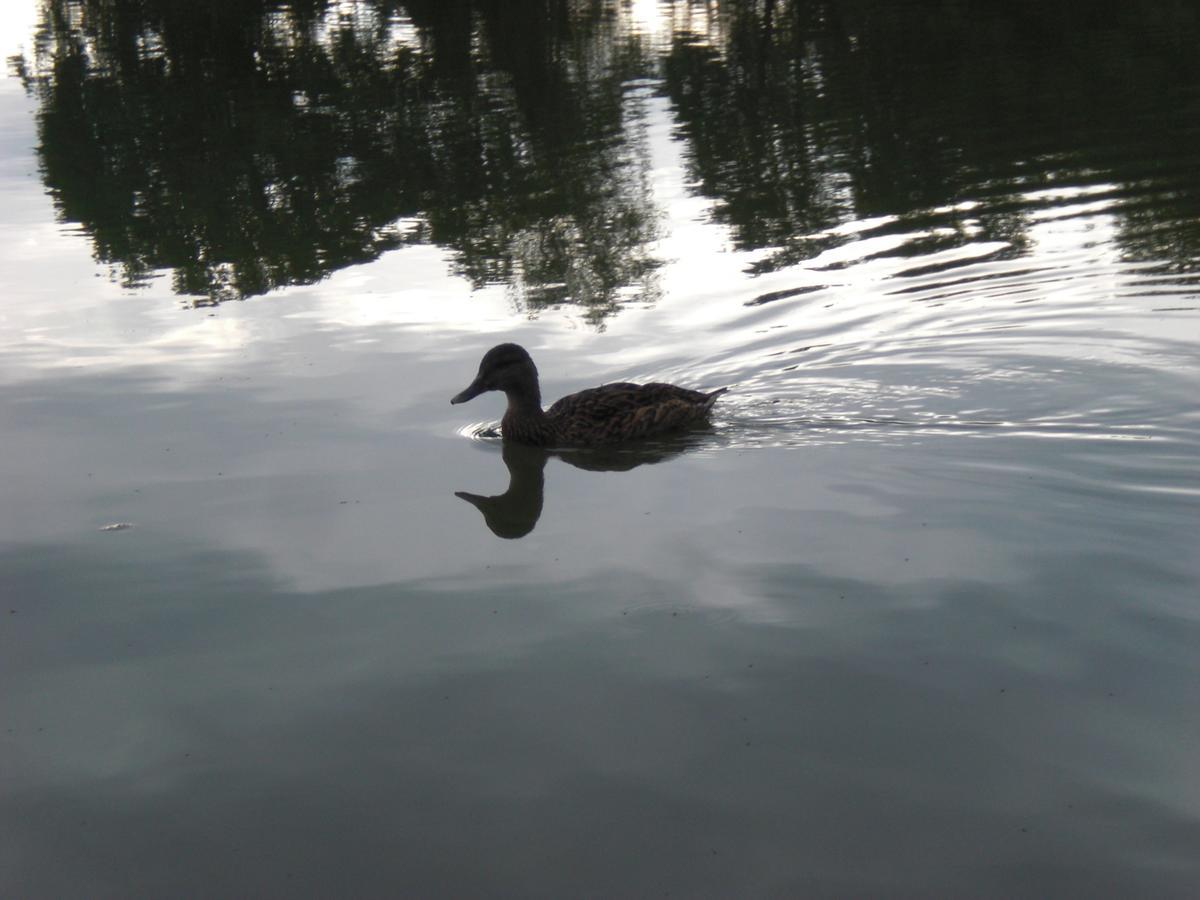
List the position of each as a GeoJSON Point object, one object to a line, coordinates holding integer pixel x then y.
{"type": "Point", "coordinates": [607, 414]}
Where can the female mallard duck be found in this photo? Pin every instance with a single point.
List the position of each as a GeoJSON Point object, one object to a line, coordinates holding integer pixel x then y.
{"type": "Point", "coordinates": [603, 415]}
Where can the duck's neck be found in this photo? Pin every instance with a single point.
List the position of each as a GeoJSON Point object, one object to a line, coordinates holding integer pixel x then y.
{"type": "Point", "coordinates": [524, 421]}
{"type": "Point", "coordinates": [525, 402]}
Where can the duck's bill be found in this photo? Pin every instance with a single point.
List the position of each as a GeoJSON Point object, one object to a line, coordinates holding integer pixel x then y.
{"type": "Point", "coordinates": [474, 390]}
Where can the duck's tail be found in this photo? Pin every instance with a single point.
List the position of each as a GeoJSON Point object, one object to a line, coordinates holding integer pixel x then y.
{"type": "Point", "coordinates": [711, 397]}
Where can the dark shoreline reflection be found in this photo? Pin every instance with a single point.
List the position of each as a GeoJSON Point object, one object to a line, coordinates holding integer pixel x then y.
{"type": "Point", "coordinates": [808, 114]}
{"type": "Point", "coordinates": [249, 146]}
{"type": "Point", "coordinates": [515, 513]}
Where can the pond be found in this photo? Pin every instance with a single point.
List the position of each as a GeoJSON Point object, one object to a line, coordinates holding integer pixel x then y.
{"type": "Point", "coordinates": [917, 614]}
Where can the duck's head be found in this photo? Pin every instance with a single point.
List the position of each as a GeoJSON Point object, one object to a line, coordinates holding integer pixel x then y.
{"type": "Point", "coordinates": [508, 368]}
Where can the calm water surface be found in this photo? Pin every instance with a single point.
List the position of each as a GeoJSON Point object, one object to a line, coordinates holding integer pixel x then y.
{"type": "Point", "coordinates": [917, 616]}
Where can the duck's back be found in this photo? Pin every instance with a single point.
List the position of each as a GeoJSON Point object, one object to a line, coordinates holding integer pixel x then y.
{"type": "Point", "coordinates": [623, 411]}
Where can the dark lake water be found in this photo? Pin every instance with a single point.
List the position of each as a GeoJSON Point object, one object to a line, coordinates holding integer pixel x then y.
{"type": "Point", "coordinates": [917, 616]}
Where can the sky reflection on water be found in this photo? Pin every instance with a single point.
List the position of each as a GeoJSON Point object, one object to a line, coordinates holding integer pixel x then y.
{"type": "Point", "coordinates": [916, 616]}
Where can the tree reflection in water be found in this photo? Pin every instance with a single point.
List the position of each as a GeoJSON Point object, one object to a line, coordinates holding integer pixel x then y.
{"type": "Point", "coordinates": [805, 115]}
{"type": "Point", "coordinates": [259, 143]}
{"type": "Point", "coordinates": [246, 146]}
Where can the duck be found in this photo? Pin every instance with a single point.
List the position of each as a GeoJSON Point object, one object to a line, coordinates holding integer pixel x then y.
{"type": "Point", "coordinates": [605, 415]}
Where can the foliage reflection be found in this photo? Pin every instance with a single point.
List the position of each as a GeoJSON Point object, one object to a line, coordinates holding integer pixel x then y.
{"type": "Point", "coordinates": [247, 146]}
{"type": "Point", "coordinates": [254, 144]}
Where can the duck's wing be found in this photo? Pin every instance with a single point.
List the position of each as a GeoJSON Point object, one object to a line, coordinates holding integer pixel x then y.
{"type": "Point", "coordinates": [623, 411]}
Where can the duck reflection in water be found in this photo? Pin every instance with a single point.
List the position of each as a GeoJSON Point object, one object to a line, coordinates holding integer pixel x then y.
{"type": "Point", "coordinates": [514, 513]}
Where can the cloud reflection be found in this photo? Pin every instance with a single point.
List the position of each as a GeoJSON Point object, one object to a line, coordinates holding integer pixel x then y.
{"type": "Point", "coordinates": [332, 740]}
